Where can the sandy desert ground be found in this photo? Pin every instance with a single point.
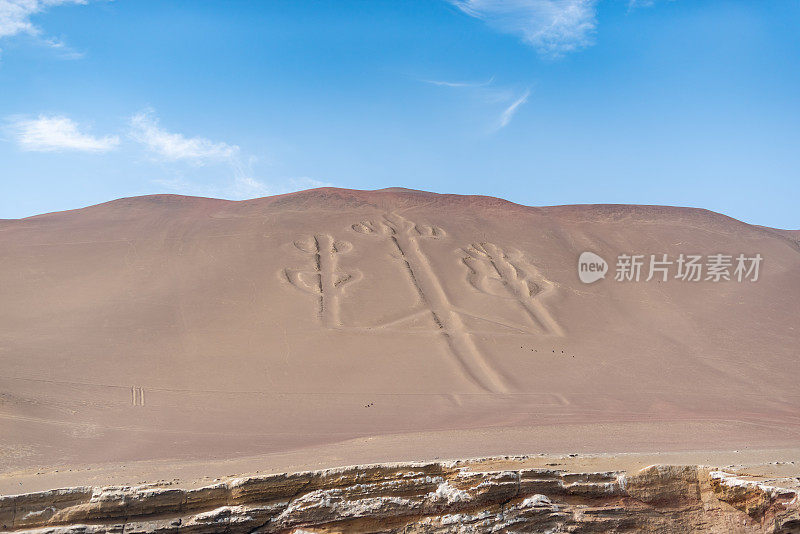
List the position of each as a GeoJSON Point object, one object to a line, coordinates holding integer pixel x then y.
{"type": "Point", "coordinates": [168, 336]}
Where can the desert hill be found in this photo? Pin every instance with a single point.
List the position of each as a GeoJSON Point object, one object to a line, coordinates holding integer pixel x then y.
{"type": "Point", "coordinates": [179, 328]}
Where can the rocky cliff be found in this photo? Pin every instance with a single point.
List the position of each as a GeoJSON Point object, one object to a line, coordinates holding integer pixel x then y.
{"type": "Point", "coordinates": [489, 495]}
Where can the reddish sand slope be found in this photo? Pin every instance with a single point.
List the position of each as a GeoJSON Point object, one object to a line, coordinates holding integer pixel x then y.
{"type": "Point", "coordinates": [177, 328]}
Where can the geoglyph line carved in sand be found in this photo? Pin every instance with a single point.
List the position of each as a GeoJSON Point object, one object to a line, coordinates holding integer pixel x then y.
{"type": "Point", "coordinates": [505, 274]}
{"type": "Point", "coordinates": [325, 279]}
{"type": "Point", "coordinates": [403, 236]}
{"type": "Point", "coordinates": [137, 396]}
{"type": "Point", "coordinates": [492, 271]}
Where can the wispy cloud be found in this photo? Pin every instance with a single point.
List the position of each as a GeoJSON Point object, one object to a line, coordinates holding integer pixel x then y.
{"type": "Point", "coordinates": [57, 133]}
{"type": "Point", "coordinates": [15, 19]}
{"type": "Point", "coordinates": [553, 27]}
{"type": "Point", "coordinates": [442, 83]}
{"type": "Point", "coordinates": [64, 50]}
{"type": "Point", "coordinates": [249, 188]}
{"type": "Point", "coordinates": [172, 146]}
{"type": "Point", "coordinates": [511, 110]}
{"type": "Point", "coordinates": [241, 188]}
{"type": "Point", "coordinates": [173, 149]}
{"type": "Point", "coordinates": [493, 96]}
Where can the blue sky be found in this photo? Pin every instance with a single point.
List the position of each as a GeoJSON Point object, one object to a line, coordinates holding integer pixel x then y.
{"type": "Point", "coordinates": [692, 103]}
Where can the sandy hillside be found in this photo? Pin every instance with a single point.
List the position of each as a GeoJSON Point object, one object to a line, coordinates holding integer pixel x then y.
{"type": "Point", "coordinates": [176, 329]}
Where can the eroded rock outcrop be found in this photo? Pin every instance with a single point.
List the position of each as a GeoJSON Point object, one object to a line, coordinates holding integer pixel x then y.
{"type": "Point", "coordinates": [440, 497]}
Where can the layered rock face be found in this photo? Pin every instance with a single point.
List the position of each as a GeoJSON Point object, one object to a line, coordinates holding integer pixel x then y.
{"type": "Point", "coordinates": [440, 497]}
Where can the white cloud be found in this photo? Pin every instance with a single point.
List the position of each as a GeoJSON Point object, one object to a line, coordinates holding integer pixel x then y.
{"type": "Point", "coordinates": [494, 96]}
{"type": "Point", "coordinates": [57, 133]}
{"type": "Point", "coordinates": [242, 187]}
{"type": "Point", "coordinates": [553, 27]}
{"type": "Point", "coordinates": [245, 187]}
{"type": "Point", "coordinates": [64, 51]}
{"type": "Point", "coordinates": [511, 110]}
{"type": "Point", "coordinates": [442, 83]}
{"type": "Point", "coordinates": [174, 146]}
{"type": "Point", "coordinates": [15, 16]}
{"type": "Point", "coordinates": [640, 3]}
